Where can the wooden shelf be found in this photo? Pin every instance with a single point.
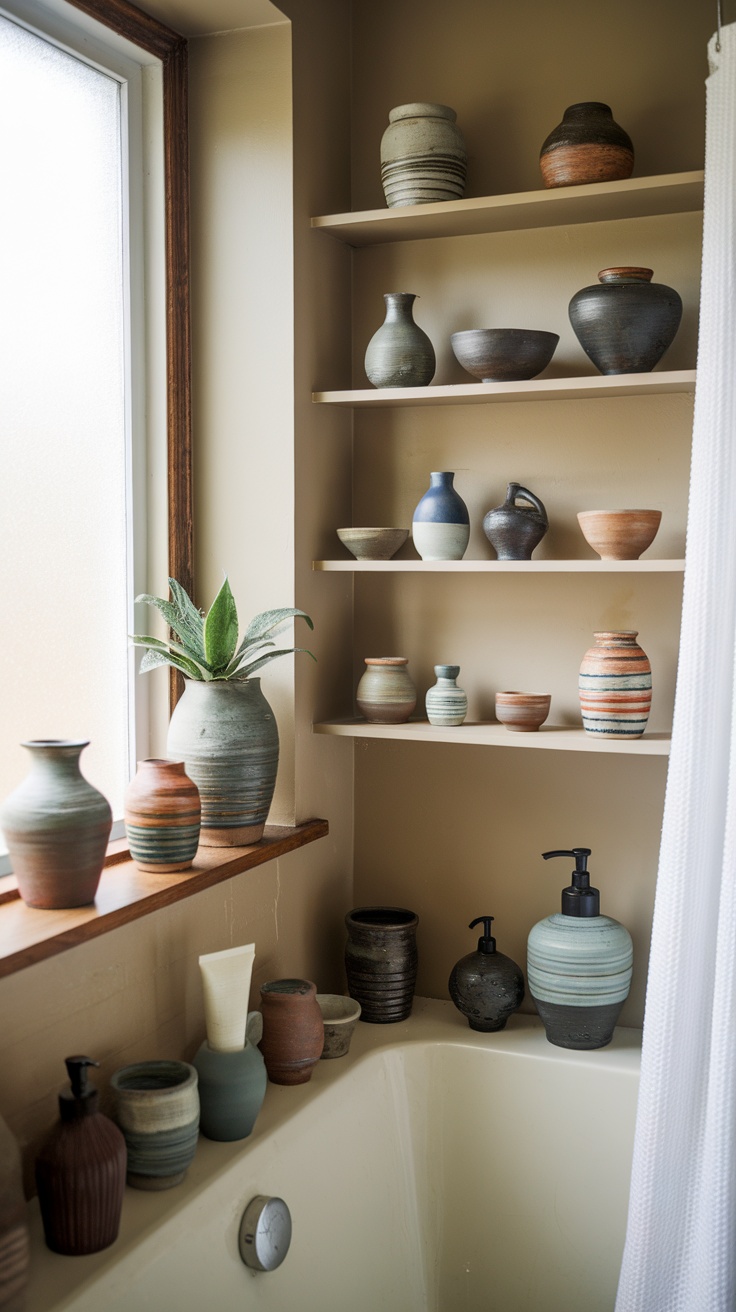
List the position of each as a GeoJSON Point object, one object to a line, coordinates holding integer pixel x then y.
{"type": "Point", "coordinates": [647, 566]}
{"type": "Point", "coordinates": [667, 193]}
{"type": "Point", "coordinates": [126, 893]}
{"type": "Point", "coordinates": [537, 389]}
{"type": "Point", "coordinates": [550, 737]}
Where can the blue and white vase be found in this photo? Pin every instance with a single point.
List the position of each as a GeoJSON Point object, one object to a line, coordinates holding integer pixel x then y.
{"type": "Point", "coordinates": [441, 524]}
{"type": "Point", "coordinates": [445, 702]}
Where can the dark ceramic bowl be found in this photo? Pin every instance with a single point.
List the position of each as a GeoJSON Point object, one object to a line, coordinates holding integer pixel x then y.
{"type": "Point", "coordinates": [504, 355]}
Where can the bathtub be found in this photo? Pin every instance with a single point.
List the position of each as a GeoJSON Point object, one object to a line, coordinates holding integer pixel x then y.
{"type": "Point", "coordinates": [431, 1170]}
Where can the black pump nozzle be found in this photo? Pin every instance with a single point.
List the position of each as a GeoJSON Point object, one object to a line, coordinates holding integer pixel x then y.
{"type": "Point", "coordinates": [579, 899]}
{"type": "Point", "coordinates": [81, 1099]}
{"type": "Point", "coordinates": [487, 942]}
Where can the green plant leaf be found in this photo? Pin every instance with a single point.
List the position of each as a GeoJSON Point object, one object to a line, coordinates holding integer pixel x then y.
{"type": "Point", "coordinates": [187, 625]}
{"type": "Point", "coordinates": [244, 654]}
{"type": "Point", "coordinates": [192, 619]}
{"type": "Point", "coordinates": [268, 622]}
{"type": "Point", "coordinates": [245, 671]}
{"type": "Point", "coordinates": [171, 654]}
{"type": "Point", "coordinates": [221, 630]}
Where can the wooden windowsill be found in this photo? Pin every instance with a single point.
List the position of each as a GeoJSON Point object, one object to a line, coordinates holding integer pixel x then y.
{"type": "Point", "coordinates": [126, 893]}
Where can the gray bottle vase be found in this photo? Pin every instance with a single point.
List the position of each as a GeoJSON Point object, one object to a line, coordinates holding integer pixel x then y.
{"type": "Point", "coordinates": [400, 353]}
{"type": "Point", "coordinates": [446, 703]}
{"type": "Point", "coordinates": [232, 1086]}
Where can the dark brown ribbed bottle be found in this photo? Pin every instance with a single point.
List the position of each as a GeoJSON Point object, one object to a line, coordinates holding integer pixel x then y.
{"type": "Point", "coordinates": [80, 1171]}
{"type": "Point", "coordinates": [381, 961]}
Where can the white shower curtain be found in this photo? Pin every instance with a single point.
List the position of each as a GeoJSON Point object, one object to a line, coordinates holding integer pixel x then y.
{"type": "Point", "coordinates": [680, 1253]}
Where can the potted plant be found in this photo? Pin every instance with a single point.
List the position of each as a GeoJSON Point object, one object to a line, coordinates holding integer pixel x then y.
{"type": "Point", "coordinates": [222, 728]}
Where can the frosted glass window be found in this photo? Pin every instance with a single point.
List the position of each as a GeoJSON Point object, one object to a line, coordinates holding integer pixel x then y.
{"type": "Point", "coordinates": [64, 663]}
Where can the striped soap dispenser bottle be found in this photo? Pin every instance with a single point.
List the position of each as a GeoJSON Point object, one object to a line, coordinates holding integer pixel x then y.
{"type": "Point", "coordinates": [579, 964]}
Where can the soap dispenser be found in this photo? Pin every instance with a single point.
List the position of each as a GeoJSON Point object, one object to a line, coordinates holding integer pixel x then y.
{"type": "Point", "coordinates": [486, 986]}
{"type": "Point", "coordinates": [579, 964]}
{"type": "Point", "coordinates": [80, 1171]}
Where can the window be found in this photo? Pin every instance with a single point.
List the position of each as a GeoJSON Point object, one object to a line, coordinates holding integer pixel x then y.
{"type": "Point", "coordinates": [87, 332]}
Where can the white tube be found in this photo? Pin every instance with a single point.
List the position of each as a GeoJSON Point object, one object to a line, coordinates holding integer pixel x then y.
{"type": "Point", "coordinates": [226, 984]}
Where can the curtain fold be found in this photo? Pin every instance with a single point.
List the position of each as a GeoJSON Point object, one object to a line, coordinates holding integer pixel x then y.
{"type": "Point", "coordinates": [680, 1252]}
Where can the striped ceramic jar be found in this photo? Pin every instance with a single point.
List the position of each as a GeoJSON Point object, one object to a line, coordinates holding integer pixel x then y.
{"type": "Point", "coordinates": [157, 1108]}
{"type": "Point", "coordinates": [615, 686]}
{"type": "Point", "coordinates": [386, 692]}
{"type": "Point", "coordinates": [446, 703]}
{"type": "Point", "coordinates": [162, 817]}
{"type": "Point", "coordinates": [423, 157]}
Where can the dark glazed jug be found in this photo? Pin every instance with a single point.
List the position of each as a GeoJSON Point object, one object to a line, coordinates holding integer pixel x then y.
{"type": "Point", "coordinates": [625, 322]}
{"type": "Point", "coordinates": [587, 146]}
{"type": "Point", "coordinates": [381, 961]}
{"type": "Point", "coordinates": [514, 531]}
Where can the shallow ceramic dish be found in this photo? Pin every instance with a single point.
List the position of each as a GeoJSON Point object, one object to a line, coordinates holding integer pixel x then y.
{"type": "Point", "coordinates": [504, 355]}
{"type": "Point", "coordinates": [522, 712]}
{"type": "Point", "coordinates": [373, 543]}
{"type": "Point", "coordinates": [340, 1016]}
{"type": "Point", "coordinates": [619, 534]}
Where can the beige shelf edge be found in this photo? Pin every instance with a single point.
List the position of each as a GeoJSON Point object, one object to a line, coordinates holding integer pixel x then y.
{"type": "Point", "coordinates": [649, 566]}
{"type": "Point", "coordinates": [537, 389]}
{"type": "Point", "coordinates": [549, 737]}
{"type": "Point", "coordinates": [667, 193]}
{"type": "Point", "coordinates": [126, 893]}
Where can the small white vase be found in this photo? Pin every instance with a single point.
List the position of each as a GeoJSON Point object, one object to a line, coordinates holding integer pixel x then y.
{"type": "Point", "coordinates": [445, 702]}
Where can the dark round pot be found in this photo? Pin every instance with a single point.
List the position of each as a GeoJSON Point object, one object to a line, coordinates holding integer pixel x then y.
{"type": "Point", "coordinates": [625, 323]}
{"type": "Point", "coordinates": [587, 146]}
{"type": "Point", "coordinates": [381, 961]}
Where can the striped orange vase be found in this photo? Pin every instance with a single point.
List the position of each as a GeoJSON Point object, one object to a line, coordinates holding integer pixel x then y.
{"type": "Point", "coordinates": [615, 686]}
{"type": "Point", "coordinates": [162, 817]}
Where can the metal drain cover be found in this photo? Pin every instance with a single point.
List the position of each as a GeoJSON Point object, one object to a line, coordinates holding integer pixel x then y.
{"type": "Point", "coordinates": [265, 1233]}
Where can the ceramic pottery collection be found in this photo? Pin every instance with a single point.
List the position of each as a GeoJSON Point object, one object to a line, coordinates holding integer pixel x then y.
{"type": "Point", "coordinates": [400, 353]}
{"type": "Point", "coordinates": [232, 1086]}
{"type": "Point", "coordinates": [423, 155]}
{"type": "Point", "coordinates": [57, 828]}
{"type": "Point", "coordinates": [385, 692]}
{"type": "Point", "coordinates": [440, 523]}
{"type": "Point", "coordinates": [587, 146]}
{"type": "Point", "coordinates": [225, 734]}
{"type": "Point", "coordinates": [445, 702]}
{"type": "Point", "coordinates": [486, 986]}
{"type": "Point", "coordinates": [626, 322]}
{"type": "Point", "coordinates": [579, 974]}
{"type": "Point", "coordinates": [157, 1109]}
{"type": "Point", "coordinates": [615, 686]}
{"type": "Point", "coordinates": [514, 531]}
{"type": "Point", "coordinates": [162, 816]}
{"type": "Point", "coordinates": [381, 962]}
{"type": "Point", "coordinates": [293, 1030]}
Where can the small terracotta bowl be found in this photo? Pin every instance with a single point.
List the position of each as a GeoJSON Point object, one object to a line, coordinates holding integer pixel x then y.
{"type": "Point", "coordinates": [522, 712]}
{"type": "Point", "coordinates": [373, 543]}
{"type": "Point", "coordinates": [619, 534]}
{"type": "Point", "coordinates": [340, 1016]}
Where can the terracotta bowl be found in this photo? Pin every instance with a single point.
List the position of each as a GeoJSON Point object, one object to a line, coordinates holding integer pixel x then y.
{"type": "Point", "coordinates": [619, 534]}
{"type": "Point", "coordinates": [504, 355]}
{"type": "Point", "coordinates": [340, 1016]}
{"type": "Point", "coordinates": [522, 712]}
{"type": "Point", "coordinates": [373, 543]}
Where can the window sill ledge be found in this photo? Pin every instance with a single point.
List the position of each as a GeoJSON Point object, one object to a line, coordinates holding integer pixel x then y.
{"type": "Point", "coordinates": [126, 893]}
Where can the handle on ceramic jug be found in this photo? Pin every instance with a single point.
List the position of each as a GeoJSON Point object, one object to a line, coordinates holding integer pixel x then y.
{"type": "Point", "coordinates": [254, 1028]}
{"type": "Point", "coordinates": [516, 490]}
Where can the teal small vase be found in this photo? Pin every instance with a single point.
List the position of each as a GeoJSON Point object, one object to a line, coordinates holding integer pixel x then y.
{"type": "Point", "coordinates": [232, 1086]}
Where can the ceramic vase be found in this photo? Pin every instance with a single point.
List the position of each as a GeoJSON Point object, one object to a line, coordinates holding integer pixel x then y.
{"type": "Point", "coordinates": [440, 523]}
{"type": "Point", "coordinates": [293, 1030]}
{"type": "Point", "coordinates": [512, 530]}
{"type": "Point", "coordinates": [579, 973]}
{"type": "Point", "coordinates": [400, 353]}
{"type": "Point", "coordinates": [625, 322]}
{"type": "Point", "coordinates": [615, 686]}
{"type": "Point", "coordinates": [162, 817]}
{"type": "Point", "coordinates": [57, 827]}
{"type": "Point", "coordinates": [587, 146]}
{"type": "Point", "coordinates": [385, 692]}
{"type": "Point", "coordinates": [232, 1086]}
{"type": "Point", "coordinates": [225, 734]}
{"type": "Point", "coordinates": [445, 702]}
{"type": "Point", "coordinates": [381, 962]}
{"type": "Point", "coordinates": [157, 1109]}
{"type": "Point", "coordinates": [15, 1249]}
{"type": "Point", "coordinates": [423, 157]}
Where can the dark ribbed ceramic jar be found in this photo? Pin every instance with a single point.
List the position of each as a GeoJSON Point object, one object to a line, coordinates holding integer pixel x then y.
{"type": "Point", "coordinates": [587, 146]}
{"type": "Point", "coordinates": [293, 1030]}
{"type": "Point", "coordinates": [381, 961]}
{"type": "Point", "coordinates": [625, 322]}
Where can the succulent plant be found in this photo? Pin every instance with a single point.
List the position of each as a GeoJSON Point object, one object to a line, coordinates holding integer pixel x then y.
{"type": "Point", "coordinates": [206, 645]}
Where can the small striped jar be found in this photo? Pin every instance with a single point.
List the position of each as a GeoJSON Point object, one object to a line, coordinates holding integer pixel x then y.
{"type": "Point", "coordinates": [615, 686]}
{"type": "Point", "coordinates": [162, 817]}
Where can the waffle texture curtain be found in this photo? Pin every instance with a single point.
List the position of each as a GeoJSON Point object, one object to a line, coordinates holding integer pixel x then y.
{"type": "Point", "coordinates": [680, 1253]}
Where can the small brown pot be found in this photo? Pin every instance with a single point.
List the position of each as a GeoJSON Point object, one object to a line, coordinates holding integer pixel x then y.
{"type": "Point", "coordinates": [162, 816]}
{"type": "Point", "coordinates": [293, 1030]}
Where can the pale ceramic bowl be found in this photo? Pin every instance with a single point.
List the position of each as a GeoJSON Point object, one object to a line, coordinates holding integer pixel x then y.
{"type": "Point", "coordinates": [373, 543]}
{"type": "Point", "coordinates": [340, 1016]}
{"type": "Point", "coordinates": [522, 712]}
{"type": "Point", "coordinates": [504, 355]}
{"type": "Point", "coordinates": [619, 534]}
